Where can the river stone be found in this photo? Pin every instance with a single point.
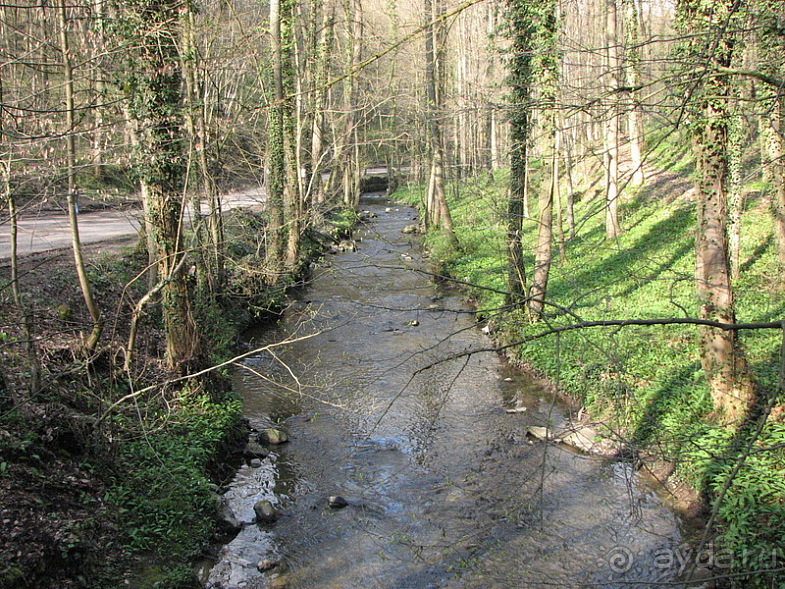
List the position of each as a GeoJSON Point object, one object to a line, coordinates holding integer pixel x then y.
{"type": "Point", "coordinates": [583, 438]}
{"type": "Point", "coordinates": [255, 450]}
{"type": "Point", "coordinates": [227, 520]}
{"type": "Point", "coordinates": [274, 436]}
{"type": "Point", "coordinates": [409, 229]}
{"type": "Point", "coordinates": [256, 462]}
{"type": "Point", "coordinates": [265, 512]}
{"type": "Point", "coordinates": [540, 433]}
{"type": "Point", "coordinates": [337, 502]}
{"type": "Point", "coordinates": [266, 565]}
{"type": "Point", "coordinates": [520, 409]}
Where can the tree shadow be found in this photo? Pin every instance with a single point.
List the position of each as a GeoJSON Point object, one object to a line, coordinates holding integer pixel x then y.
{"type": "Point", "coordinates": [756, 255]}
{"type": "Point", "coordinates": [671, 391]}
{"type": "Point", "coordinates": [616, 266]}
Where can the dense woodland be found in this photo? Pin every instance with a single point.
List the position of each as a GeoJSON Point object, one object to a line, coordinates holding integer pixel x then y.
{"type": "Point", "coordinates": [641, 139]}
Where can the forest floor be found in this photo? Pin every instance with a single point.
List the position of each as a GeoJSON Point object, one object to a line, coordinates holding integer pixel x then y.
{"type": "Point", "coordinates": [90, 501]}
{"type": "Point", "coordinates": [53, 517]}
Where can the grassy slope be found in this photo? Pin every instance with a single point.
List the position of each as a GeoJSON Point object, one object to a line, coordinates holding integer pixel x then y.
{"type": "Point", "coordinates": [647, 379]}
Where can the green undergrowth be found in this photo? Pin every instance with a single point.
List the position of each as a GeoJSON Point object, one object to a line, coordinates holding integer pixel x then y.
{"type": "Point", "coordinates": [160, 484]}
{"type": "Point", "coordinates": [126, 497]}
{"type": "Point", "coordinates": [647, 380]}
{"type": "Point", "coordinates": [165, 473]}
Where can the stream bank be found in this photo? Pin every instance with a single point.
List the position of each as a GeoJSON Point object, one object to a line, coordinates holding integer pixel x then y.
{"type": "Point", "coordinates": [444, 487]}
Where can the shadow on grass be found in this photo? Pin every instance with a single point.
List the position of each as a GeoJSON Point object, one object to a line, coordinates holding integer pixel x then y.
{"type": "Point", "coordinates": [757, 254]}
{"type": "Point", "coordinates": [672, 392]}
{"type": "Point", "coordinates": [666, 188]}
{"type": "Point", "coordinates": [616, 267]}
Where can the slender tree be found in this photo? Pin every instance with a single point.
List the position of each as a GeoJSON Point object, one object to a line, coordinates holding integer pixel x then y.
{"type": "Point", "coordinates": [437, 210]}
{"type": "Point", "coordinates": [632, 67]}
{"type": "Point", "coordinates": [546, 43]}
{"type": "Point", "coordinates": [70, 108]}
{"type": "Point", "coordinates": [612, 123]}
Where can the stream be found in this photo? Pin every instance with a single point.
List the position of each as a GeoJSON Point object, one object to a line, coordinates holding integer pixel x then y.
{"type": "Point", "coordinates": [445, 489]}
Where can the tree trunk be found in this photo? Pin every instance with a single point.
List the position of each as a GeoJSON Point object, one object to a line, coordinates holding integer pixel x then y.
{"type": "Point", "coordinates": [548, 84]}
{"type": "Point", "coordinates": [316, 189]}
{"type": "Point", "coordinates": [634, 112]}
{"type": "Point", "coordinates": [293, 208]}
{"type": "Point", "coordinates": [721, 357]}
{"type": "Point", "coordinates": [612, 228]}
{"type": "Point", "coordinates": [84, 282]}
{"type": "Point", "coordinates": [439, 212]}
{"type": "Point", "coordinates": [156, 106]}
{"type": "Point", "coordinates": [520, 80]}
{"type": "Point", "coordinates": [736, 135]}
{"type": "Point", "coordinates": [276, 158]}
{"type": "Point", "coordinates": [544, 246]}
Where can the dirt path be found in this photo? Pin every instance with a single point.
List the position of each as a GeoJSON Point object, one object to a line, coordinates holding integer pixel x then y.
{"type": "Point", "coordinates": [50, 230]}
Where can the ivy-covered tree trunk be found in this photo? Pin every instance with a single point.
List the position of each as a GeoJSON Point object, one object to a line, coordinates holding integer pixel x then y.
{"type": "Point", "coordinates": [154, 87]}
{"type": "Point", "coordinates": [547, 33]}
{"type": "Point", "coordinates": [293, 206]}
{"type": "Point", "coordinates": [771, 61]}
{"type": "Point", "coordinates": [315, 190]}
{"type": "Point", "coordinates": [521, 32]}
{"type": "Point", "coordinates": [721, 356]}
{"type": "Point", "coordinates": [276, 158]}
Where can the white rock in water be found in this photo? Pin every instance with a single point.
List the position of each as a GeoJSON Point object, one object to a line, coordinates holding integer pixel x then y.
{"type": "Point", "coordinates": [265, 512]}
{"type": "Point", "coordinates": [540, 433]}
{"type": "Point", "coordinates": [516, 410]}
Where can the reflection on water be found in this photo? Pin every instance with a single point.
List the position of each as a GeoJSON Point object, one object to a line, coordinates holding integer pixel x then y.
{"type": "Point", "coordinates": [445, 489]}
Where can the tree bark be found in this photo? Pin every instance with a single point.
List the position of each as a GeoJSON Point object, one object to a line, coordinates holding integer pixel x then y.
{"type": "Point", "coordinates": [276, 158]}
{"type": "Point", "coordinates": [520, 80]}
{"type": "Point", "coordinates": [324, 46]}
{"type": "Point", "coordinates": [721, 357]}
{"type": "Point", "coordinates": [155, 104]}
{"type": "Point", "coordinates": [634, 112]}
{"type": "Point", "coordinates": [612, 228]}
{"type": "Point", "coordinates": [544, 246]}
{"type": "Point", "coordinates": [293, 207]}
{"type": "Point", "coordinates": [84, 282]}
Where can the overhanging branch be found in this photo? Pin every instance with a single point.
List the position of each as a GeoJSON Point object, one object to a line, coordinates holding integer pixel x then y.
{"type": "Point", "coordinates": [614, 323]}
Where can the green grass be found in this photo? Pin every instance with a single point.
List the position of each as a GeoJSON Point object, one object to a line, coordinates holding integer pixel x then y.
{"type": "Point", "coordinates": [160, 487]}
{"type": "Point", "coordinates": [648, 379]}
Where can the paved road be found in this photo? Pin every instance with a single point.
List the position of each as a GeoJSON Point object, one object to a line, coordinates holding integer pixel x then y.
{"type": "Point", "coordinates": [50, 231]}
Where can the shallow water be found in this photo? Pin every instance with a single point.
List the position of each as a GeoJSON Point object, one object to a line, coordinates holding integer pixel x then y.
{"type": "Point", "coordinates": [445, 490]}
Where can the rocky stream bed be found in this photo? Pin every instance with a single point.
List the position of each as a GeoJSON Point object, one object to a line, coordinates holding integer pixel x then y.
{"type": "Point", "coordinates": [410, 465]}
